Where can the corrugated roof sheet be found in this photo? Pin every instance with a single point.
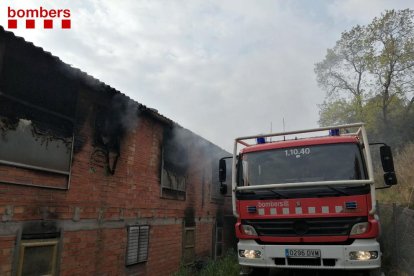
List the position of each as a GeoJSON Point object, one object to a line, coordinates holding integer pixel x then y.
{"type": "Point", "coordinates": [93, 82]}
{"type": "Point", "coordinates": [88, 80]}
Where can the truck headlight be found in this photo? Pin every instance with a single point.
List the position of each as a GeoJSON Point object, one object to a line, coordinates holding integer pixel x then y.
{"type": "Point", "coordinates": [248, 230]}
{"type": "Point", "coordinates": [359, 228]}
{"type": "Point", "coordinates": [250, 254]}
{"type": "Point", "coordinates": [363, 255]}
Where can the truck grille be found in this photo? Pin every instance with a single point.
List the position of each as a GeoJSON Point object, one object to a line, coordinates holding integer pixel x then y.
{"type": "Point", "coordinates": [305, 262]}
{"type": "Point", "coordinates": [304, 227]}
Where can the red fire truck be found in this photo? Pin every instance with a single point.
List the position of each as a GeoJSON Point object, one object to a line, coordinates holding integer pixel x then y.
{"type": "Point", "coordinates": [307, 202]}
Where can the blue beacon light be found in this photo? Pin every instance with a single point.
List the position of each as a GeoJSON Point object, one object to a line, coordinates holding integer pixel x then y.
{"type": "Point", "coordinates": [261, 140]}
{"type": "Point", "coordinates": [334, 132]}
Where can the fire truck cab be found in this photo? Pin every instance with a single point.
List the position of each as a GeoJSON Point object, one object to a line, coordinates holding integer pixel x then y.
{"type": "Point", "coordinates": [307, 202]}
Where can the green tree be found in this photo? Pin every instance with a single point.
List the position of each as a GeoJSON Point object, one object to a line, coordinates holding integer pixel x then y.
{"type": "Point", "coordinates": [391, 39]}
{"type": "Point", "coordinates": [337, 112]}
{"type": "Point", "coordinates": [342, 72]}
{"type": "Point", "coordinates": [369, 76]}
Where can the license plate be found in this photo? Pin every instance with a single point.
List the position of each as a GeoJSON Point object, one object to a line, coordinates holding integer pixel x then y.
{"type": "Point", "coordinates": [303, 253]}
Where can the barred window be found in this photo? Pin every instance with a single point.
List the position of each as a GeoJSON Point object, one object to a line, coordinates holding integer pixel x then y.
{"type": "Point", "coordinates": [137, 244]}
{"type": "Point", "coordinates": [174, 165]}
{"type": "Point", "coordinates": [215, 183]}
{"type": "Point", "coordinates": [35, 143]}
{"type": "Point", "coordinates": [215, 194]}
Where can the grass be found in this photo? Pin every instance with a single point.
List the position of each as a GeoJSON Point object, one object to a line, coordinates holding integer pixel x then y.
{"type": "Point", "coordinates": [225, 266]}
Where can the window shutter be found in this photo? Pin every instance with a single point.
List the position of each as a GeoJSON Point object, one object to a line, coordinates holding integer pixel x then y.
{"type": "Point", "coordinates": [143, 243]}
{"type": "Point", "coordinates": [137, 248]}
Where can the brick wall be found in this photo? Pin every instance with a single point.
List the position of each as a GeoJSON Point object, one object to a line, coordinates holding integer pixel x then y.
{"type": "Point", "coordinates": [91, 217]}
{"type": "Point", "coordinates": [6, 254]}
{"type": "Point", "coordinates": [165, 247]}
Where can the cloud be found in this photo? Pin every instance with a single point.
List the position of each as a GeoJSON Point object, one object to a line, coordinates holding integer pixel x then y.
{"type": "Point", "coordinates": [362, 12]}
{"type": "Point", "coordinates": [220, 68]}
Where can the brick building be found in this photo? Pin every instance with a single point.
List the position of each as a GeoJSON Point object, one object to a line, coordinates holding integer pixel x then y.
{"type": "Point", "coordinates": [94, 183]}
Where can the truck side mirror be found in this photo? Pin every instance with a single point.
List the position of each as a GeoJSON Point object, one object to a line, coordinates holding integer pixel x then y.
{"type": "Point", "coordinates": [388, 165]}
{"type": "Point", "coordinates": [390, 178]}
{"type": "Point", "coordinates": [223, 188]}
{"type": "Point", "coordinates": [223, 174]}
{"type": "Point", "coordinates": [222, 170]}
{"type": "Point", "coordinates": [386, 159]}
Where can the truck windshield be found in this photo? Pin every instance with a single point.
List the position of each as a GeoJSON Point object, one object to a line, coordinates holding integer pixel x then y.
{"type": "Point", "coordinates": [304, 164]}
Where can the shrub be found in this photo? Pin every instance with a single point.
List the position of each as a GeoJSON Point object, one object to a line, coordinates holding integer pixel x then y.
{"type": "Point", "coordinates": [224, 266]}
{"type": "Point", "coordinates": [402, 193]}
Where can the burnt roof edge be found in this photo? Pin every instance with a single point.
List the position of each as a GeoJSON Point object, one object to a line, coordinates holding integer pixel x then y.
{"type": "Point", "coordinates": [91, 81]}
{"type": "Point", "coordinates": [84, 77]}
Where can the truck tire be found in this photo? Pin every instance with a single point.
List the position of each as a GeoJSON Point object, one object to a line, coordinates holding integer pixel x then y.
{"type": "Point", "coordinates": [254, 271]}
{"type": "Point", "coordinates": [259, 271]}
{"type": "Point", "coordinates": [374, 272]}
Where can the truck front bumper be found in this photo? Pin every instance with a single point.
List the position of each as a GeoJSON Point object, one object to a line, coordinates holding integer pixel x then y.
{"type": "Point", "coordinates": [332, 256]}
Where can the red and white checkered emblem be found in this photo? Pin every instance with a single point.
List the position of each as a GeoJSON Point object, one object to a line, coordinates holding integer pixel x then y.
{"type": "Point", "coordinates": [38, 18]}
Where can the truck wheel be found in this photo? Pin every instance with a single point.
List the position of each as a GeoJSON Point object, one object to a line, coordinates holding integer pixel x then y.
{"type": "Point", "coordinates": [260, 271]}
{"type": "Point", "coordinates": [374, 272]}
{"type": "Point", "coordinates": [254, 271]}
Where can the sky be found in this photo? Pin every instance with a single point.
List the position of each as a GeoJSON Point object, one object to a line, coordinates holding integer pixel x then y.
{"type": "Point", "coordinates": [221, 68]}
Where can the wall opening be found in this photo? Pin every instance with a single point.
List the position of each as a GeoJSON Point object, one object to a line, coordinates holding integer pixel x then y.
{"type": "Point", "coordinates": [36, 146]}
{"type": "Point", "coordinates": [218, 241]}
{"type": "Point", "coordinates": [38, 249]}
{"type": "Point", "coordinates": [189, 237]}
{"type": "Point", "coordinates": [38, 257]}
{"type": "Point", "coordinates": [174, 166]}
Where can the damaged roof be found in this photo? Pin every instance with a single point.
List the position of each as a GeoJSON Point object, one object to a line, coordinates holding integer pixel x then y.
{"type": "Point", "coordinates": [71, 72]}
{"type": "Point", "coordinates": [47, 61]}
